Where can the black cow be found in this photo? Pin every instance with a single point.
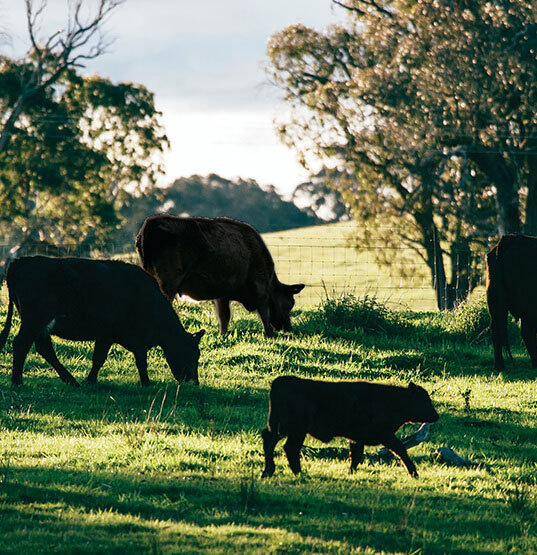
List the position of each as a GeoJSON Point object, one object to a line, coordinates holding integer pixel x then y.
{"type": "Point", "coordinates": [512, 288]}
{"type": "Point", "coordinates": [362, 412]}
{"type": "Point", "coordinates": [105, 301]}
{"type": "Point", "coordinates": [221, 259]}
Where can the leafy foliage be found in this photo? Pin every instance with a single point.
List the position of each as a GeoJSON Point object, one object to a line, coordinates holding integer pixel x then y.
{"type": "Point", "coordinates": [470, 320]}
{"type": "Point", "coordinates": [64, 173]}
{"type": "Point", "coordinates": [425, 104]}
{"type": "Point", "coordinates": [352, 313]}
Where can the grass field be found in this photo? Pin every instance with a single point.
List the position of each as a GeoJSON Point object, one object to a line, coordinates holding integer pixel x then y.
{"type": "Point", "coordinates": [115, 468]}
{"type": "Point", "coordinates": [323, 257]}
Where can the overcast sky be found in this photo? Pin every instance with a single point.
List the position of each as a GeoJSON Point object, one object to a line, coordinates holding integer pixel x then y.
{"type": "Point", "coordinates": [203, 59]}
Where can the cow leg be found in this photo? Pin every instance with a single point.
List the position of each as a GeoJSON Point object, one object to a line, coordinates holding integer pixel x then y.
{"type": "Point", "coordinates": [292, 448]}
{"type": "Point", "coordinates": [100, 352]}
{"type": "Point", "coordinates": [141, 364]}
{"type": "Point", "coordinates": [396, 447]}
{"type": "Point", "coordinates": [21, 345]}
{"type": "Point", "coordinates": [270, 439]}
{"type": "Point", "coordinates": [264, 314]}
{"type": "Point", "coordinates": [356, 453]}
{"type": "Point", "coordinates": [498, 322]}
{"type": "Point", "coordinates": [223, 312]}
{"type": "Point", "coordinates": [43, 345]}
{"type": "Point", "coordinates": [530, 340]}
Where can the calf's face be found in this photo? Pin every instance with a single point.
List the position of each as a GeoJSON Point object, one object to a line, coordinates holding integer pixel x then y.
{"type": "Point", "coordinates": [282, 301]}
{"type": "Point", "coordinates": [420, 405]}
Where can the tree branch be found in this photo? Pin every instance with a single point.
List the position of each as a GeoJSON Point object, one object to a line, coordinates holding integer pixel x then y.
{"type": "Point", "coordinates": [367, 3]}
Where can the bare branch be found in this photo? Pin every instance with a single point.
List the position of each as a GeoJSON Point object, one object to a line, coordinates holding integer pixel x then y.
{"type": "Point", "coordinates": [367, 3]}
{"type": "Point", "coordinates": [63, 49]}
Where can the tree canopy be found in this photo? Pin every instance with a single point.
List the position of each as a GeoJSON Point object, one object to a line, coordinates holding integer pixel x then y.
{"type": "Point", "coordinates": [75, 149]}
{"type": "Point", "coordinates": [74, 146]}
{"type": "Point", "coordinates": [430, 104]}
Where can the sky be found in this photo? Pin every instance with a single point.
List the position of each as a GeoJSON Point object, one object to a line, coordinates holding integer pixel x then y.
{"type": "Point", "coordinates": [204, 60]}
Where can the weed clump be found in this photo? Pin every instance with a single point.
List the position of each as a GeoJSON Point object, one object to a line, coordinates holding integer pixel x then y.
{"type": "Point", "coordinates": [469, 321]}
{"type": "Point", "coordinates": [350, 313]}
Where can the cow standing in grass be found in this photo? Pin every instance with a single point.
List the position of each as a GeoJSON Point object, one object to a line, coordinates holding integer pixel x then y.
{"type": "Point", "coordinates": [362, 412]}
{"type": "Point", "coordinates": [512, 287]}
{"type": "Point", "coordinates": [221, 259]}
{"type": "Point", "coordinates": [105, 301]}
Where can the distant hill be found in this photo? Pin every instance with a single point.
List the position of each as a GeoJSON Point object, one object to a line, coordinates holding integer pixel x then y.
{"type": "Point", "coordinates": [243, 199]}
{"type": "Point", "coordinates": [212, 196]}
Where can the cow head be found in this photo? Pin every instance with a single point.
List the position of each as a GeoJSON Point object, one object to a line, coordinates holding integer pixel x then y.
{"type": "Point", "coordinates": [281, 303]}
{"type": "Point", "coordinates": [420, 406]}
{"type": "Point", "coordinates": [183, 356]}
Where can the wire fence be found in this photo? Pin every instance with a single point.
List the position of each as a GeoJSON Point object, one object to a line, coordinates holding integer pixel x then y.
{"type": "Point", "coordinates": [332, 266]}
{"type": "Point", "coordinates": [325, 259]}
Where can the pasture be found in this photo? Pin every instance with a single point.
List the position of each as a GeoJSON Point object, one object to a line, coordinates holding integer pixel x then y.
{"type": "Point", "coordinates": [115, 468]}
{"type": "Point", "coordinates": [324, 258]}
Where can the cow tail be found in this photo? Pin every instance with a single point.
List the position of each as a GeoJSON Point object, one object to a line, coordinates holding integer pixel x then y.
{"type": "Point", "coordinates": [7, 325]}
{"type": "Point", "coordinates": [278, 420]}
{"type": "Point", "coordinates": [497, 303]}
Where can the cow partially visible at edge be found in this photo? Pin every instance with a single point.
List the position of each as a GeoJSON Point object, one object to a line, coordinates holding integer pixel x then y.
{"type": "Point", "coordinates": [365, 413]}
{"type": "Point", "coordinates": [105, 301]}
{"type": "Point", "coordinates": [216, 259]}
{"type": "Point", "coordinates": [512, 288]}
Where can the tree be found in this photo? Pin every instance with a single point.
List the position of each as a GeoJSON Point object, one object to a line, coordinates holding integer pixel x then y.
{"type": "Point", "coordinates": [75, 148]}
{"type": "Point", "coordinates": [428, 104]}
{"type": "Point", "coordinates": [322, 195]}
{"type": "Point", "coordinates": [213, 196]}
{"type": "Point", "coordinates": [48, 59]}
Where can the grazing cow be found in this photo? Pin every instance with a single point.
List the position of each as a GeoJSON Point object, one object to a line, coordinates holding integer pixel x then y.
{"type": "Point", "coordinates": [221, 259]}
{"type": "Point", "coordinates": [105, 301]}
{"type": "Point", "coordinates": [512, 287]}
{"type": "Point", "coordinates": [362, 412]}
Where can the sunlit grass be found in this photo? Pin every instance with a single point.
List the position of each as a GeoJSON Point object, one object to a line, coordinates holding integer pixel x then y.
{"type": "Point", "coordinates": [117, 468]}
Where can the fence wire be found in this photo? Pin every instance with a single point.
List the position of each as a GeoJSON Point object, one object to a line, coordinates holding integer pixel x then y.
{"type": "Point", "coordinates": [329, 265]}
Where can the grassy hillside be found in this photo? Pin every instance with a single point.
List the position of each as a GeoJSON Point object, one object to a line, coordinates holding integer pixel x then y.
{"type": "Point", "coordinates": [324, 259]}
{"type": "Point", "coordinates": [117, 468]}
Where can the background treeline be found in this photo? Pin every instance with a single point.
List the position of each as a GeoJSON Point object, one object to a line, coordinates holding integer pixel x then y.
{"type": "Point", "coordinates": [243, 199]}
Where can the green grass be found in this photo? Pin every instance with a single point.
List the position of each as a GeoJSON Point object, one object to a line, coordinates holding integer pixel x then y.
{"type": "Point", "coordinates": [323, 257]}
{"type": "Point", "coordinates": [117, 468]}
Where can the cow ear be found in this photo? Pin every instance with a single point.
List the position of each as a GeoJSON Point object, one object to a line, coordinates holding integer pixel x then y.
{"type": "Point", "coordinates": [199, 334]}
{"type": "Point", "coordinates": [297, 287]}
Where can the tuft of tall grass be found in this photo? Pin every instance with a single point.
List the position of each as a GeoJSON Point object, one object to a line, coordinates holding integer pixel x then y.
{"type": "Point", "coordinates": [349, 313]}
{"type": "Point", "coordinates": [470, 321]}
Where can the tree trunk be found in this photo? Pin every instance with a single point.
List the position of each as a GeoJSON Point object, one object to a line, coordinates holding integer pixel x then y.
{"type": "Point", "coordinates": [495, 166]}
{"type": "Point", "coordinates": [461, 268]}
{"type": "Point", "coordinates": [439, 273]}
{"type": "Point", "coordinates": [434, 258]}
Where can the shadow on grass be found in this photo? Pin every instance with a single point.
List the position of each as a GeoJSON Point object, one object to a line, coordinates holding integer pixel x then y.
{"type": "Point", "coordinates": [114, 511]}
{"type": "Point", "coordinates": [44, 403]}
